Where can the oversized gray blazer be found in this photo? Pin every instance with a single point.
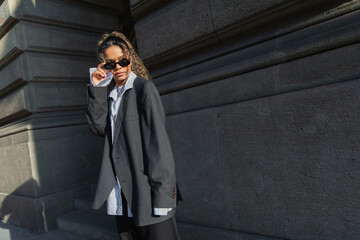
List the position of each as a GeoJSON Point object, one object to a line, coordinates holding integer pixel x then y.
{"type": "Point", "coordinates": [141, 155]}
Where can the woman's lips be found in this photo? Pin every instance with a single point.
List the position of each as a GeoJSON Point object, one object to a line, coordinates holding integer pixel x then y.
{"type": "Point", "coordinates": [119, 73]}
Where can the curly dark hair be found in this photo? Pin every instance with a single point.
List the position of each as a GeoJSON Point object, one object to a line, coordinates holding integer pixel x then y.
{"type": "Point", "coordinates": [119, 39]}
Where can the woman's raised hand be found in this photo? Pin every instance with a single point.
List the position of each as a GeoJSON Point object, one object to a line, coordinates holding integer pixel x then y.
{"type": "Point", "coordinates": [99, 74]}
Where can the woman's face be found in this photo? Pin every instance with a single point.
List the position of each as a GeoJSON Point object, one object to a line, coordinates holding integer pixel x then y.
{"type": "Point", "coordinates": [115, 53]}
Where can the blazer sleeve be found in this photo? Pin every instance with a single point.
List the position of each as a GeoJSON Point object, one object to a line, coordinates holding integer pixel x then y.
{"type": "Point", "coordinates": [97, 109]}
{"type": "Point", "coordinates": [157, 149]}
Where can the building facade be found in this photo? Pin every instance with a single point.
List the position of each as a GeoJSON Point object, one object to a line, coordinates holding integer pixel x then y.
{"type": "Point", "coordinates": [262, 104]}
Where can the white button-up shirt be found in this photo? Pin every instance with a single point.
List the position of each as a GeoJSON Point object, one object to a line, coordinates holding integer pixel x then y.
{"type": "Point", "coordinates": [114, 200]}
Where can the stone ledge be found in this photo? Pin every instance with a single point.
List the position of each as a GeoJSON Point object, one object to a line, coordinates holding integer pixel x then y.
{"type": "Point", "coordinates": [173, 42]}
{"type": "Point", "coordinates": [35, 37]}
{"type": "Point", "coordinates": [338, 65]}
{"type": "Point", "coordinates": [14, 106]}
{"type": "Point", "coordinates": [42, 97]}
{"type": "Point", "coordinates": [9, 133]}
{"type": "Point", "coordinates": [65, 15]}
{"type": "Point", "coordinates": [141, 8]}
{"type": "Point", "coordinates": [59, 68]}
{"type": "Point", "coordinates": [114, 6]}
{"type": "Point", "coordinates": [308, 41]}
{"type": "Point", "coordinates": [7, 26]}
{"type": "Point", "coordinates": [307, 21]}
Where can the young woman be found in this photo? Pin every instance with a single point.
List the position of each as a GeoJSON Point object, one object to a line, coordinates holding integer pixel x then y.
{"type": "Point", "coordinates": [137, 176]}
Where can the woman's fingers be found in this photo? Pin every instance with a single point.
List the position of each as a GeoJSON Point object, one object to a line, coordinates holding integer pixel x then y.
{"type": "Point", "coordinates": [101, 69]}
{"type": "Point", "coordinates": [99, 74]}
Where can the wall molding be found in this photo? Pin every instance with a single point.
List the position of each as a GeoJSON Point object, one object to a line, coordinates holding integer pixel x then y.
{"type": "Point", "coordinates": [43, 120]}
{"type": "Point", "coordinates": [296, 44]}
{"type": "Point", "coordinates": [254, 25]}
{"type": "Point", "coordinates": [145, 7]}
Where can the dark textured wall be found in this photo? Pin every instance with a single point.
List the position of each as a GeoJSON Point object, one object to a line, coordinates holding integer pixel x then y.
{"type": "Point", "coordinates": [262, 109]}
{"type": "Point", "coordinates": [262, 102]}
{"type": "Point", "coordinates": [48, 156]}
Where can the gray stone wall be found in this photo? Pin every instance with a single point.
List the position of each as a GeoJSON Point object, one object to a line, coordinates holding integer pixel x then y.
{"type": "Point", "coordinates": [47, 154]}
{"type": "Point", "coordinates": [262, 102]}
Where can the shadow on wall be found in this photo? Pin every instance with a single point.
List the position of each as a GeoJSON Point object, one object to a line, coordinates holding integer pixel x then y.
{"type": "Point", "coordinates": [17, 203]}
{"type": "Point", "coordinates": [19, 209]}
{"type": "Point", "coordinates": [64, 155]}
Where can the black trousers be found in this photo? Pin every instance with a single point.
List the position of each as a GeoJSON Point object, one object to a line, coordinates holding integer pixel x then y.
{"type": "Point", "coordinates": [165, 230]}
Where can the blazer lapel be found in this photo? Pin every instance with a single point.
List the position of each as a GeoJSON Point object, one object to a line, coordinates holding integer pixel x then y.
{"type": "Point", "coordinates": [110, 87]}
{"type": "Point", "coordinates": [120, 115]}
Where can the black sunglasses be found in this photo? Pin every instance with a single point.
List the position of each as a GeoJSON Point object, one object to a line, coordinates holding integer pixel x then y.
{"type": "Point", "coordinates": [112, 64]}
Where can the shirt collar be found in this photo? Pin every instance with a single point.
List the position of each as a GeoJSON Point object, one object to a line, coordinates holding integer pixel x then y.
{"type": "Point", "coordinates": [117, 91]}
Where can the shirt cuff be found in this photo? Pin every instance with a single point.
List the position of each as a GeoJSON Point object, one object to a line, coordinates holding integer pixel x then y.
{"type": "Point", "coordinates": [104, 82]}
{"type": "Point", "coordinates": [161, 211]}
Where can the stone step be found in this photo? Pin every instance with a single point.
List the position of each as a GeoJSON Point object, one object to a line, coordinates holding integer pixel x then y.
{"type": "Point", "coordinates": [10, 231]}
{"type": "Point", "coordinates": [89, 224]}
{"type": "Point", "coordinates": [58, 234]}
{"type": "Point", "coordinates": [85, 202]}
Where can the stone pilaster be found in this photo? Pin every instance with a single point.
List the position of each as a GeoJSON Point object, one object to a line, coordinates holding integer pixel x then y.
{"type": "Point", "coordinates": [47, 153]}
